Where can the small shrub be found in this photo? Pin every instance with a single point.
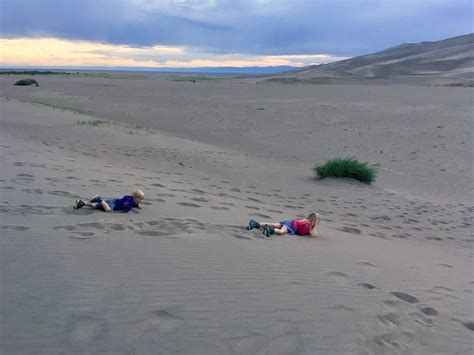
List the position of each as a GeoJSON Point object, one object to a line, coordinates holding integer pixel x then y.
{"type": "Point", "coordinates": [346, 167]}
{"type": "Point", "coordinates": [26, 82]}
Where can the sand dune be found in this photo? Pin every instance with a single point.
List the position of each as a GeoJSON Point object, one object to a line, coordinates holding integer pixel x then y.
{"type": "Point", "coordinates": [445, 62]}
{"type": "Point", "coordinates": [391, 271]}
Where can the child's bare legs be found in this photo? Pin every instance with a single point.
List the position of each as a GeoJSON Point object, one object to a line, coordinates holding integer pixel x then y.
{"type": "Point", "coordinates": [104, 205]}
{"type": "Point", "coordinates": [274, 225]}
{"type": "Point", "coordinates": [281, 231]}
{"type": "Point", "coordinates": [89, 204]}
{"type": "Point", "coordinates": [268, 227]}
{"type": "Point", "coordinates": [278, 228]}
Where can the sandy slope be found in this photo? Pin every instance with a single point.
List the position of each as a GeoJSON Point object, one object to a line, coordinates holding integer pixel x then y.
{"type": "Point", "coordinates": [391, 271]}
{"type": "Point", "coordinates": [445, 62]}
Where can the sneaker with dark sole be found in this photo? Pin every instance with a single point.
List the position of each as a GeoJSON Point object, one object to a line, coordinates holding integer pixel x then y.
{"type": "Point", "coordinates": [78, 204]}
{"type": "Point", "coordinates": [253, 224]}
{"type": "Point", "coordinates": [96, 198]}
{"type": "Point", "coordinates": [268, 230]}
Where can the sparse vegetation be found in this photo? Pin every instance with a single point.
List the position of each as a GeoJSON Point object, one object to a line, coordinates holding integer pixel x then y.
{"type": "Point", "coordinates": [26, 82]}
{"type": "Point", "coordinates": [73, 110]}
{"type": "Point", "coordinates": [346, 167]}
{"type": "Point", "coordinates": [93, 122]}
{"type": "Point", "coordinates": [31, 72]}
{"type": "Point", "coordinates": [114, 75]}
{"type": "Point", "coordinates": [196, 78]}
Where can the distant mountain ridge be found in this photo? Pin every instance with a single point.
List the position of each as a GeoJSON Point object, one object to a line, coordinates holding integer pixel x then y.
{"type": "Point", "coordinates": [216, 71]}
{"type": "Point", "coordinates": [446, 62]}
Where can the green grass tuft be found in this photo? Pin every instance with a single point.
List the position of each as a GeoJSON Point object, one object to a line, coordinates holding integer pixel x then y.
{"type": "Point", "coordinates": [346, 167]}
{"type": "Point", "coordinates": [93, 122]}
{"type": "Point", "coordinates": [197, 78]}
{"type": "Point", "coordinates": [26, 82]}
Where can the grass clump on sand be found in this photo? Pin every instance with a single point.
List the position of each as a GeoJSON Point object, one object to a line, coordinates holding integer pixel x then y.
{"type": "Point", "coordinates": [196, 78]}
{"type": "Point", "coordinates": [346, 167]}
{"type": "Point", "coordinates": [26, 82]}
{"type": "Point", "coordinates": [93, 122]}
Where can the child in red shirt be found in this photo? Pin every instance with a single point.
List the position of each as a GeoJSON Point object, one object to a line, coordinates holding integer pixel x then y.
{"type": "Point", "coordinates": [292, 226]}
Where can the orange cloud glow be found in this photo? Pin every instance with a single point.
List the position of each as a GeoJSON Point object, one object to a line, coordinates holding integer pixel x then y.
{"type": "Point", "coordinates": [54, 52]}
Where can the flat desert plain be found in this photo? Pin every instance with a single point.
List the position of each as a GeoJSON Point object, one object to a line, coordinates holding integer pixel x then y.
{"type": "Point", "coordinates": [391, 270]}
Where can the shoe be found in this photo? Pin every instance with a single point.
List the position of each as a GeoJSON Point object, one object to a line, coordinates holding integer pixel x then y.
{"type": "Point", "coordinates": [253, 224]}
{"type": "Point", "coordinates": [96, 198]}
{"type": "Point", "coordinates": [78, 204]}
{"type": "Point", "coordinates": [268, 230]}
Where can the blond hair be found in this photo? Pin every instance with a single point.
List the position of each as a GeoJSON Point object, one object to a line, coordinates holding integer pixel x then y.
{"type": "Point", "coordinates": [315, 219]}
{"type": "Point", "coordinates": [137, 193]}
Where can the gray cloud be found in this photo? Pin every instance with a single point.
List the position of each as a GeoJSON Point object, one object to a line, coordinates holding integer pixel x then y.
{"type": "Point", "coordinates": [339, 27]}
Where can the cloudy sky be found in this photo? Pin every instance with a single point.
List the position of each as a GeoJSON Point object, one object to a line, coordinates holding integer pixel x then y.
{"type": "Point", "coordinates": [201, 33]}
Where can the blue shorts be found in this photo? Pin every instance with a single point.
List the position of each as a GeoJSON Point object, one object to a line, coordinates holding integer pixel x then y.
{"type": "Point", "coordinates": [288, 224]}
{"type": "Point", "coordinates": [111, 204]}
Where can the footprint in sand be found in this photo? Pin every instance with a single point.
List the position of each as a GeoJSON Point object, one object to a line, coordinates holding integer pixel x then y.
{"type": "Point", "coordinates": [341, 307]}
{"type": "Point", "coordinates": [428, 310]}
{"type": "Point", "coordinates": [390, 303]}
{"type": "Point", "coordinates": [365, 263]}
{"type": "Point", "coordinates": [446, 265]}
{"type": "Point", "coordinates": [33, 191]}
{"type": "Point", "coordinates": [468, 325]}
{"type": "Point", "coordinates": [219, 208]}
{"type": "Point", "coordinates": [240, 236]}
{"type": "Point", "coordinates": [366, 285]}
{"type": "Point", "coordinates": [94, 225]}
{"type": "Point", "coordinates": [421, 319]}
{"type": "Point", "coordinates": [261, 215]}
{"type": "Point", "coordinates": [15, 228]}
{"type": "Point", "coordinates": [60, 193]}
{"type": "Point", "coordinates": [394, 339]}
{"type": "Point", "coordinates": [85, 329]}
{"type": "Point", "coordinates": [164, 319]}
{"type": "Point", "coordinates": [197, 191]}
{"type": "Point", "coordinates": [393, 318]}
{"type": "Point", "coordinates": [339, 275]}
{"type": "Point", "coordinates": [350, 230]}
{"type": "Point", "coordinates": [116, 226]}
{"type": "Point", "coordinates": [69, 228]}
{"type": "Point", "coordinates": [405, 297]}
{"type": "Point", "coordinates": [83, 235]}
{"type": "Point", "coordinates": [199, 199]}
{"type": "Point", "coordinates": [152, 233]}
{"type": "Point", "coordinates": [167, 195]}
{"type": "Point", "coordinates": [25, 176]}
{"type": "Point", "coordinates": [189, 204]}
{"type": "Point", "coordinates": [253, 199]}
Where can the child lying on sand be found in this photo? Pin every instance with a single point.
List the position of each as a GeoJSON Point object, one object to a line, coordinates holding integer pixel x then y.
{"type": "Point", "coordinates": [292, 226]}
{"type": "Point", "coordinates": [125, 203]}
